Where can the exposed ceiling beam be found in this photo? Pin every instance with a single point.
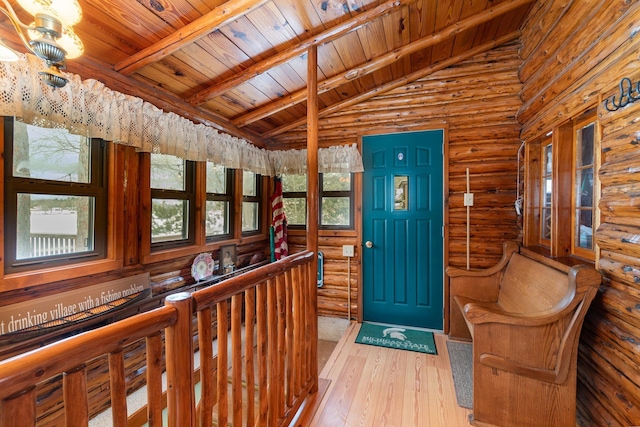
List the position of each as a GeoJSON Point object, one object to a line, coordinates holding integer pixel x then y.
{"type": "Point", "coordinates": [381, 61]}
{"type": "Point", "coordinates": [398, 82]}
{"type": "Point", "coordinates": [226, 12]}
{"type": "Point", "coordinates": [296, 51]}
{"type": "Point", "coordinates": [88, 69]}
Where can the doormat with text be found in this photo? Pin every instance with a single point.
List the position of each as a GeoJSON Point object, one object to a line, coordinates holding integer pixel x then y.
{"type": "Point", "coordinates": [399, 337]}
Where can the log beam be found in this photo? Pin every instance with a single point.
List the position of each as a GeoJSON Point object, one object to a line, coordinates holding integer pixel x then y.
{"type": "Point", "coordinates": [312, 203]}
{"type": "Point", "coordinates": [188, 34]}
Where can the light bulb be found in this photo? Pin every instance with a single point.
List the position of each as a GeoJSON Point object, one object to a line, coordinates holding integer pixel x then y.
{"type": "Point", "coordinates": [71, 43]}
{"type": "Point", "coordinates": [68, 11]}
{"type": "Point", "coordinates": [34, 6]}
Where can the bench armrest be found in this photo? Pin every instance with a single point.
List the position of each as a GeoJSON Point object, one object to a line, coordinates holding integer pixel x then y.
{"type": "Point", "coordinates": [507, 365]}
{"type": "Point", "coordinates": [508, 249]}
{"type": "Point", "coordinates": [478, 312]}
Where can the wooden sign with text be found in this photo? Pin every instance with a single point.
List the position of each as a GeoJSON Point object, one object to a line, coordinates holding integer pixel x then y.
{"type": "Point", "coordinates": [71, 306]}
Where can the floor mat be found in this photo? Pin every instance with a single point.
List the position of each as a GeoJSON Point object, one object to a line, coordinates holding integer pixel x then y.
{"type": "Point", "coordinates": [460, 356]}
{"type": "Point", "coordinates": [398, 337]}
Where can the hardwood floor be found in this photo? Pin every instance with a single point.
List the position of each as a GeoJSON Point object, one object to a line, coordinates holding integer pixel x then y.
{"type": "Point", "coordinates": [381, 387]}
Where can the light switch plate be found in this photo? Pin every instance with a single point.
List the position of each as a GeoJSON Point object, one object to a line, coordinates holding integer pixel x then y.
{"type": "Point", "coordinates": [468, 199]}
{"type": "Point", "coordinates": [348, 250]}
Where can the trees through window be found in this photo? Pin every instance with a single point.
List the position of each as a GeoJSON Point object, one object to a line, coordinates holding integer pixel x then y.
{"type": "Point", "coordinates": [172, 200]}
{"type": "Point", "coordinates": [336, 200]}
{"type": "Point", "coordinates": [55, 197]}
{"type": "Point", "coordinates": [219, 189]}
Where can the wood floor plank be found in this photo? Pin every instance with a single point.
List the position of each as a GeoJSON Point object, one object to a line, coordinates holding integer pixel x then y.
{"type": "Point", "coordinates": [388, 407]}
{"type": "Point", "coordinates": [344, 391]}
{"type": "Point", "coordinates": [363, 412]}
{"type": "Point", "coordinates": [374, 386]}
{"type": "Point", "coordinates": [415, 412]}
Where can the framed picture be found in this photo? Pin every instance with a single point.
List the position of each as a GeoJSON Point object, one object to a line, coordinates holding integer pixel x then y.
{"type": "Point", "coordinates": [228, 258]}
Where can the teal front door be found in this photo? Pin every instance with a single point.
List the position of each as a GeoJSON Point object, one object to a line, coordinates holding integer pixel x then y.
{"type": "Point", "coordinates": [402, 219]}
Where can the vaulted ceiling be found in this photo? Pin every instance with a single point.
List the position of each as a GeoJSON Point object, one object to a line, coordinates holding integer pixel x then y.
{"type": "Point", "coordinates": [240, 65]}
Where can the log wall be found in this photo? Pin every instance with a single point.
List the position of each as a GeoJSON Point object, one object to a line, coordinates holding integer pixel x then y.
{"type": "Point", "coordinates": [575, 54]}
{"type": "Point", "coordinates": [340, 274]}
{"type": "Point", "coordinates": [476, 102]}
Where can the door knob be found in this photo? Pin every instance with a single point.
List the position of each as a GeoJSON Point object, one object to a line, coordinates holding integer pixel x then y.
{"type": "Point", "coordinates": [368, 244]}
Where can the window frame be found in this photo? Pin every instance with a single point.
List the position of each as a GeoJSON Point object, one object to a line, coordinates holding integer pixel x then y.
{"type": "Point", "coordinates": [227, 196]}
{"type": "Point", "coordinates": [257, 198]}
{"type": "Point", "coordinates": [544, 175]}
{"type": "Point", "coordinates": [325, 194]}
{"type": "Point", "coordinates": [581, 123]}
{"type": "Point", "coordinates": [563, 208]}
{"type": "Point", "coordinates": [98, 188]}
{"type": "Point", "coordinates": [335, 194]}
{"type": "Point", "coordinates": [189, 195]}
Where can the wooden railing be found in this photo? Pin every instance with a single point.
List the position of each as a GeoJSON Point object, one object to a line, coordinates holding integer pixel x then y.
{"type": "Point", "coordinates": [272, 360]}
{"type": "Point", "coordinates": [271, 374]}
{"type": "Point", "coordinates": [20, 375]}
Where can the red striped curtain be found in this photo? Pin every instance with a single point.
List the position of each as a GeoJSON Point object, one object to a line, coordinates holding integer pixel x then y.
{"type": "Point", "coordinates": [279, 222]}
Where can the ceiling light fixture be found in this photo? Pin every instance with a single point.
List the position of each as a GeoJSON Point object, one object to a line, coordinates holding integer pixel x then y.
{"type": "Point", "coordinates": [51, 35]}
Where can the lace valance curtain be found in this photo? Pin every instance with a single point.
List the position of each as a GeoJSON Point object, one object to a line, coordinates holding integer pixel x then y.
{"type": "Point", "coordinates": [89, 108]}
{"type": "Point", "coordinates": [344, 158]}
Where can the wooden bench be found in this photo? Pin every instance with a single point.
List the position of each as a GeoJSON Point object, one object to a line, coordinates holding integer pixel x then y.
{"type": "Point", "coordinates": [524, 317]}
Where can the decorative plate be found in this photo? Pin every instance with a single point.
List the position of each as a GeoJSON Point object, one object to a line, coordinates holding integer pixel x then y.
{"type": "Point", "coordinates": [202, 266]}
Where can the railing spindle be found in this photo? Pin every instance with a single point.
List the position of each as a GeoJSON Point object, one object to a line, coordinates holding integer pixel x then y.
{"type": "Point", "coordinates": [282, 350]}
{"type": "Point", "coordinates": [236, 358]}
{"type": "Point", "coordinates": [21, 407]}
{"type": "Point", "coordinates": [249, 322]}
{"type": "Point", "coordinates": [263, 353]}
{"type": "Point", "coordinates": [76, 408]}
{"type": "Point", "coordinates": [154, 379]}
{"type": "Point", "coordinates": [290, 391]}
{"type": "Point", "coordinates": [311, 325]}
{"type": "Point", "coordinates": [272, 342]}
{"type": "Point", "coordinates": [298, 328]}
{"type": "Point", "coordinates": [223, 367]}
{"type": "Point", "coordinates": [208, 381]}
{"type": "Point", "coordinates": [118, 389]}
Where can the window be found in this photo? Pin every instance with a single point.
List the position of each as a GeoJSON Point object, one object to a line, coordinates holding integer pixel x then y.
{"type": "Point", "coordinates": [250, 202]}
{"type": "Point", "coordinates": [172, 201]}
{"type": "Point", "coordinates": [336, 200]}
{"type": "Point", "coordinates": [547, 189]}
{"type": "Point", "coordinates": [55, 197]}
{"type": "Point", "coordinates": [219, 188]}
{"type": "Point", "coordinates": [294, 199]}
{"type": "Point", "coordinates": [583, 187]}
{"type": "Point", "coordinates": [562, 206]}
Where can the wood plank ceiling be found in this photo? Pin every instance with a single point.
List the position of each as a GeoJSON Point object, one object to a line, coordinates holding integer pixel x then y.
{"type": "Point", "coordinates": [240, 65]}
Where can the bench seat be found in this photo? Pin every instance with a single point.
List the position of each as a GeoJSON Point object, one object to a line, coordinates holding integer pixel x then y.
{"type": "Point", "coordinates": [524, 318]}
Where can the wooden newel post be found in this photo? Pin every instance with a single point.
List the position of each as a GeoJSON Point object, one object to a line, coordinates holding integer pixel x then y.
{"type": "Point", "coordinates": [312, 208]}
{"type": "Point", "coordinates": [179, 357]}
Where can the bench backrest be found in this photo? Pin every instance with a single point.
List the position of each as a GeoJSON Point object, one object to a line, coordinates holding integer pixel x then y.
{"type": "Point", "coordinates": [528, 286]}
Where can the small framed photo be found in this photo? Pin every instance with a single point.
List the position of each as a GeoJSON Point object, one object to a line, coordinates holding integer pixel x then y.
{"type": "Point", "coordinates": [228, 258]}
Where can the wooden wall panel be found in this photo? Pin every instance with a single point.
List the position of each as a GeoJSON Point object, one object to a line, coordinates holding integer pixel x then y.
{"type": "Point", "coordinates": [586, 69]}
{"type": "Point", "coordinates": [338, 272]}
